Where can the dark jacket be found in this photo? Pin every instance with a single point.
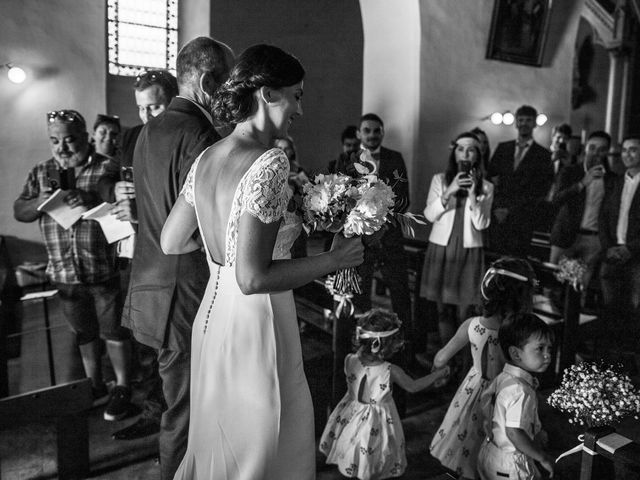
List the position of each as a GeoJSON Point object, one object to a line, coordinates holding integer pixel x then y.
{"type": "Point", "coordinates": [609, 213]}
{"type": "Point", "coordinates": [570, 199]}
{"type": "Point", "coordinates": [165, 290]}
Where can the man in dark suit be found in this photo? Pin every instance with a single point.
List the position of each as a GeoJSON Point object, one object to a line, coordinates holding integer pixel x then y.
{"type": "Point", "coordinates": [385, 247]}
{"type": "Point", "coordinates": [522, 172]}
{"type": "Point", "coordinates": [581, 189]}
{"type": "Point", "coordinates": [165, 291]}
{"type": "Point", "coordinates": [620, 238]}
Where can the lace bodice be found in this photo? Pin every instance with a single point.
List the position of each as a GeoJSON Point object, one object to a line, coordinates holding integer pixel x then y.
{"type": "Point", "coordinates": [263, 192]}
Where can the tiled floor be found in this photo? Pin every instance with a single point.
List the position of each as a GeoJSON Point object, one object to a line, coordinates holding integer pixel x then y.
{"type": "Point", "coordinates": [29, 453]}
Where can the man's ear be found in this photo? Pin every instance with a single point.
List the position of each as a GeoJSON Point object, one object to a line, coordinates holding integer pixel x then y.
{"type": "Point", "coordinates": [358, 135]}
{"type": "Point", "coordinates": [207, 83]}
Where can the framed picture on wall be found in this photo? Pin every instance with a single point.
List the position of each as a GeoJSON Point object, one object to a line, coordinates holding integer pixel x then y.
{"type": "Point", "coordinates": [518, 31]}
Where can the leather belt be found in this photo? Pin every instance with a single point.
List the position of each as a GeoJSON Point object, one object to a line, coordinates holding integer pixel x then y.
{"type": "Point", "coordinates": [584, 231]}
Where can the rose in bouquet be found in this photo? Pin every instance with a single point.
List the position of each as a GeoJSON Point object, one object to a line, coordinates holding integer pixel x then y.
{"type": "Point", "coordinates": [351, 205]}
{"type": "Point", "coordinates": [596, 394]}
{"type": "Point", "coordinates": [572, 270]}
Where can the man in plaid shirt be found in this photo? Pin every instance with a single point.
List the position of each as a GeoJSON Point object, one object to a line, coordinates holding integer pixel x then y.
{"type": "Point", "coordinates": [81, 262]}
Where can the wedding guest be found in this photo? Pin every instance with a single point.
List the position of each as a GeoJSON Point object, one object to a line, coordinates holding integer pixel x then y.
{"type": "Point", "coordinates": [522, 172]}
{"type": "Point", "coordinates": [510, 406]}
{"type": "Point", "coordinates": [459, 206]}
{"type": "Point", "coordinates": [581, 190]}
{"type": "Point", "coordinates": [106, 135]}
{"type": "Point", "coordinates": [165, 291]}
{"type": "Point", "coordinates": [81, 263]}
{"type": "Point", "coordinates": [350, 144]}
{"type": "Point", "coordinates": [385, 248]}
{"type": "Point", "coordinates": [619, 230]}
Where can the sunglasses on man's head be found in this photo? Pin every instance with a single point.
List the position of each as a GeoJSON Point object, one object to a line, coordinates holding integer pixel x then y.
{"type": "Point", "coordinates": [66, 116]}
{"type": "Point", "coordinates": [150, 76]}
{"type": "Point", "coordinates": [103, 118]}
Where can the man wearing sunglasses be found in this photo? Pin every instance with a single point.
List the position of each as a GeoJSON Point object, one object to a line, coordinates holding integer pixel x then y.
{"type": "Point", "coordinates": [81, 262]}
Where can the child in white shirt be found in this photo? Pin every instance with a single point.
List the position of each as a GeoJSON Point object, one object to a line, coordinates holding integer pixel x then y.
{"type": "Point", "coordinates": [510, 404]}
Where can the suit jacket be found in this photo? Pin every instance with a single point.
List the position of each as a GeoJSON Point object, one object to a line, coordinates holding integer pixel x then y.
{"type": "Point", "coordinates": [521, 190]}
{"type": "Point", "coordinates": [569, 199]}
{"type": "Point", "coordinates": [165, 290]}
{"type": "Point", "coordinates": [393, 171]}
{"type": "Point", "coordinates": [608, 220]}
{"type": "Point", "coordinates": [442, 217]}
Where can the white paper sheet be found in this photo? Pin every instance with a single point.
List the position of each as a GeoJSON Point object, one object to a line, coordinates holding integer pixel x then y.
{"type": "Point", "coordinates": [112, 228]}
{"type": "Point", "coordinates": [63, 214]}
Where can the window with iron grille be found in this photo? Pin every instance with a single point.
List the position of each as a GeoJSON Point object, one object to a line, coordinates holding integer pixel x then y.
{"type": "Point", "coordinates": [142, 35]}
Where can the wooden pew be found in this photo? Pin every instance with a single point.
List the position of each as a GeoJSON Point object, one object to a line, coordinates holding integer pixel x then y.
{"type": "Point", "coordinates": [67, 405]}
{"type": "Point", "coordinates": [602, 449]}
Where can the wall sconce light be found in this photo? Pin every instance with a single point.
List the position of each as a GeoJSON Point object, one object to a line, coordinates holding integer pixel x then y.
{"type": "Point", "coordinates": [15, 74]}
{"type": "Point", "coordinates": [508, 118]}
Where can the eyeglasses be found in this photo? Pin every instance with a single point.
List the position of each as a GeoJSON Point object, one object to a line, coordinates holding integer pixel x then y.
{"type": "Point", "coordinates": [65, 116]}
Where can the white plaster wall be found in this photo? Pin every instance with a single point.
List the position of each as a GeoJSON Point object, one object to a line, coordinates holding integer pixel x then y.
{"type": "Point", "coordinates": [61, 46]}
{"type": "Point", "coordinates": [391, 71]}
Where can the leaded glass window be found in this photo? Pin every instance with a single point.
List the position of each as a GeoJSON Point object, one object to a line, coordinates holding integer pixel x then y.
{"type": "Point", "coordinates": [142, 35]}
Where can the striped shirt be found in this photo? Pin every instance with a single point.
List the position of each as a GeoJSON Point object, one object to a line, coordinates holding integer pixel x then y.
{"type": "Point", "coordinates": [80, 254]}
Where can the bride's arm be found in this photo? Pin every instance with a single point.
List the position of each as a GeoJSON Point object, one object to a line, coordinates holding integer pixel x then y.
{"type": "Point", "coordinates": [178, 230]}
{"type": "Point", "coordinates": [256, 272]}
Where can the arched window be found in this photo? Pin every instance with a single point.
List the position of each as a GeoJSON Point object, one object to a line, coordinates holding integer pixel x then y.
{"type": "Point", "coordinates": [143, 34]}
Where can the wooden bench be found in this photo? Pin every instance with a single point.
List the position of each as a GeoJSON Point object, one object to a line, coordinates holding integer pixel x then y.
{"type": "Point", "coordinates": [602, 449]}
{"type": "Point", "coordinates": [67, 405]}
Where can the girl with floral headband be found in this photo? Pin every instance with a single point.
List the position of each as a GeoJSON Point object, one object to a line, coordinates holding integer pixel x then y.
{"type": "Point", "coordinates": [459, 206]}
{"type": "Point", "coordinates": [507, 288]}
{"type": "Point", "coordinates": [364, 434]}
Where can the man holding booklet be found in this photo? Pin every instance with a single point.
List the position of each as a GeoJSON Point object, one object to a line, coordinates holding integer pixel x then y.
{"type": "Point", "coordinates": [81, 262]}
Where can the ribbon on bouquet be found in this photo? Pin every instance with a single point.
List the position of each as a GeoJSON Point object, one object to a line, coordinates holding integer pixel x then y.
{"type": "Point", "coordinates": [345, 304]}
{"type": "Point", "coordinates": [610, 443]}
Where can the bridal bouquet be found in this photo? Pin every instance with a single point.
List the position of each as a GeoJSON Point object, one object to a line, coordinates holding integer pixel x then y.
{"type": "Point", "coordinates": [596, 394]}
{"type": "Point", "coordinates": [351, 205]}
{"type": "Point", "coordinates": [572, 270]}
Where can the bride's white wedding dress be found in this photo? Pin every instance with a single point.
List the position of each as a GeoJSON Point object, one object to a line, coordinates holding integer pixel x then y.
{"type": "Point", "coordinates": [251, 414]}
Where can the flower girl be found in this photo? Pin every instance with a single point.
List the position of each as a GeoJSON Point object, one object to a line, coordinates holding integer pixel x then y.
{"type": "Point", "coordinates": [364, 434]}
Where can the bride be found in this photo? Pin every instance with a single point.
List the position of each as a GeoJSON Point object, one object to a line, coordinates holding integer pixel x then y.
{"type": "Point", "coordinates": [251, 414]}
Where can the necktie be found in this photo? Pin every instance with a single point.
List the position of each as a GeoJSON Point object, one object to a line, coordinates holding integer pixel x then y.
{"type": "Point", "coordinates": [517, 158]}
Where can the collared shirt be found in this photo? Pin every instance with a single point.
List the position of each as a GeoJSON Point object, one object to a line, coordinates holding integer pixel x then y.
{"type": "Point", "coordinates": [593, 200]}
{"type": "Point", "coordinates": [206, 114]}
{"type": "Point", "coordinates": [628, 191]}
{"type": "Point", "coordinates": [80, 254]}
{"type": "Point", "coordinates": [512, 397]}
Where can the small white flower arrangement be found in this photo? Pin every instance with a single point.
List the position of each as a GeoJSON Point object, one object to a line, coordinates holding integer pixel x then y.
{"type": "Point", "coordinates": [572, 270]}
{"type": "Point", "coordinates": [596, 394]}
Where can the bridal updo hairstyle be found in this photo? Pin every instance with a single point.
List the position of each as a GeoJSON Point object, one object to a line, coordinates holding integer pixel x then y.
{"type": "Point", "coordinates": [258, 66]}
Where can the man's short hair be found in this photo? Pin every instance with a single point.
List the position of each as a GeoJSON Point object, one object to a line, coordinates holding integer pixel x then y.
{"type": "Point", "coordinates": [349, 132]}
{"type": "Point", "coordinates": [372, 117]}
{"type": "Point", "coordinates": [526, 111]}
{"type": "Point", "coordinates": [631, 136]}
{"type": "Point", "coordinates": [564, 129]}
{"type": "Point", "coordinates": [162, 78]}
{"type": "Point", "coordinates": [202, 55]}
{"type": "Point", "coordinates": [102, 119]}
{"type": "Point", "coordinates": [600, 134]}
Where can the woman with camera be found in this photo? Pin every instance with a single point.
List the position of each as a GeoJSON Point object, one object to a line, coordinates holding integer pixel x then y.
{"type": "Point", "coordinates": [459, 206]}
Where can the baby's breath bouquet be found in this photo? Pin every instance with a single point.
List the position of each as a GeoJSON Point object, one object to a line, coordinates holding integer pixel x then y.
{"type": "Point", "coordinates": [351, 205]}
{"type": "Point", "coordinates": [596, 394]}
{"type": "Point", "coordinates": [572, 270]}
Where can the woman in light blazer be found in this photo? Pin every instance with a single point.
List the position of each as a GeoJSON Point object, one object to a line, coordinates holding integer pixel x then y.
{"type": "Point", "coordinates": [459, 206]}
